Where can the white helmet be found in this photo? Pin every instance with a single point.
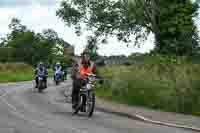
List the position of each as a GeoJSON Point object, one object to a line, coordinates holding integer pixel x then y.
{"type": "Point", "coordinates": [40, 64]}
{"type": "Point", "coordinates": [58, 63]}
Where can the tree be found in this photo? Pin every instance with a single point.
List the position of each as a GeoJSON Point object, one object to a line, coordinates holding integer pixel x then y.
{"type": "Point", "coordinates": [16, 25]}
{"type": "Point", "coordinates": [91, 47]}
{"type": "Point", "coordinates": [50, 34]}
{"type": "Point", "coordinates": [31, 47]}
{"type": "Point", "coordinates": [176, 28]}
{"type": "Point", "coordinates": [169, 20]}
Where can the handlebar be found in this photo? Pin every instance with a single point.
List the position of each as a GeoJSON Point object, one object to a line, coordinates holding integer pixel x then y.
{"type": "Point", "coordinates": [90, 75]}
{"type": "Point", "coordinates": [96, 78]}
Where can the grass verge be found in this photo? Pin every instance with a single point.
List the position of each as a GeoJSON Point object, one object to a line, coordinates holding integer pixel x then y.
{"type": "Point", "coordinates": [14, 72]}
{"type": "Point", "coordinates": [174, 88]}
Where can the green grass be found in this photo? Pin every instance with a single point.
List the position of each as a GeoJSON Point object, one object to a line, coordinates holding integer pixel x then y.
{"type": "Point", "coordinates": [50, 73]}
{"type": "Point", "coordinates": [13, 72]}
{"type": "Point", "coordinates": [174, 88]}
{"type": "Point", "coordinates": [10, 76]}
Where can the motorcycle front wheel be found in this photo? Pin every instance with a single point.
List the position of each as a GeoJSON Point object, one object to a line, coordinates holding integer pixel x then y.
{"type": "Point", "coordinates": [40, 86]}
{"type": "Point", "coordinates": [90, 104]}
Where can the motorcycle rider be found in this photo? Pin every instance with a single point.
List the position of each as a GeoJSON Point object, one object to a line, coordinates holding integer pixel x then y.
{"type": "Point", "coordinates": [58, 70]}
{"type": "Point", "coordinates": [41, 71]}
{"type": "Point", "coordinates": [81, 68]}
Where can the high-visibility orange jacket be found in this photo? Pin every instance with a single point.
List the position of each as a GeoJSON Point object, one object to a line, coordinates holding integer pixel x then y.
{"type": "Point", "coordinates": [84, 71]}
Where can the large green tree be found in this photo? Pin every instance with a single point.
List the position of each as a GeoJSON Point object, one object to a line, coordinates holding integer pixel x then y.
{"type": "Point", "coordinates": [29, 46]}
{"type": "Point", "coordinates": [169, 20]}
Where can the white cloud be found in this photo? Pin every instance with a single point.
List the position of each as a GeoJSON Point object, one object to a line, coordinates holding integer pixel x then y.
{"type": "Point", "coordinates": [6, 15]}
{"type": "Point", "coordinates": [119, 48]}
{"type": "Point", "coordinates": [15, 3]}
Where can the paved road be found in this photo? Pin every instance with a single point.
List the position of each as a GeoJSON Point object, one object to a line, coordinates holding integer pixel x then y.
{"type": "Point", "coordinates": [22, 110]}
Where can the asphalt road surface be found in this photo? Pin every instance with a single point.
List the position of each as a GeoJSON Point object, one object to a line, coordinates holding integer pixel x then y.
{"type": "Point", "coordinates": [23, 110]}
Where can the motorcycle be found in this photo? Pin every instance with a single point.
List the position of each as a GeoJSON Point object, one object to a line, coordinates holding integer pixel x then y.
{"type": "Point", "coordinates": [41, 84]}
{"type": "Point", "coordinates": [87, 93]}
{"type": "Point", "coordinates": [57, 77]}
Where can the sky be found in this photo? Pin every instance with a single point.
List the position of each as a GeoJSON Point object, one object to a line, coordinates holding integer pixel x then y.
{"type": "Point", "coordinates": [41, 14]}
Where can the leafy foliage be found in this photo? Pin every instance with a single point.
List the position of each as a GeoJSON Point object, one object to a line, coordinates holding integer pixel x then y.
{"type": "Point", "coordinates": [169, 20]}
{"type": "Point", "coordinates": [28, 46]}
{"type": "Point", "coordinates": [91, 47]}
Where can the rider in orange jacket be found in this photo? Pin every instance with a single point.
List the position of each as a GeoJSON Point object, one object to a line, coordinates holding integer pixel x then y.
{"type": "Point", "coordinates": [85, 66]}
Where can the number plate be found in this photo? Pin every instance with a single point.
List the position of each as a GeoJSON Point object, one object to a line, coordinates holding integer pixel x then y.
{"type": "Point", "coordinates": [89, 86]}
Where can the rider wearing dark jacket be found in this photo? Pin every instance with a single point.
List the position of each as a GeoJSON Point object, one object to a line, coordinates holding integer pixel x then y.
{"type": "Point", "coordinates": [41, 71]}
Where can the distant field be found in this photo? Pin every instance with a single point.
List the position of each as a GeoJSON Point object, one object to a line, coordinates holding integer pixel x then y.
{"type": "Point", "coordinates": [13, 72]}
{"type": "Point", "coordinates": [173, 87]}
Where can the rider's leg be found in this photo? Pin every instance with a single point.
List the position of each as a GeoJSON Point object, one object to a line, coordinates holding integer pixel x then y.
{"type": "Point", "coordinates": [45, 81]}
{"type": "Point", "coordinates": [75, 92]}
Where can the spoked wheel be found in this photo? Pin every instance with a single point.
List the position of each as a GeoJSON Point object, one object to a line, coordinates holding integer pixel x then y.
{"type": "Point", "coordinates": [90, 104]}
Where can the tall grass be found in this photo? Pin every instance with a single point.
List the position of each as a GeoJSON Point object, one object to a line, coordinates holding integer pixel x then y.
{"type": "Point", "coordinates": [15, 66]}
{"type": "Point", "coordinates": [169, 87]}
{"type": "Point", "coordinates": [12, 72]}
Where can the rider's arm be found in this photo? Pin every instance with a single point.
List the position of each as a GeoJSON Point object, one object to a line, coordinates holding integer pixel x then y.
{"type": "Point", "coordinates": [74, 71]}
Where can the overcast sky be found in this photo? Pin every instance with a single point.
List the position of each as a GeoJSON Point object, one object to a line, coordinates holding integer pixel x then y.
{"type": "Point", "coordinates": [41, 14]}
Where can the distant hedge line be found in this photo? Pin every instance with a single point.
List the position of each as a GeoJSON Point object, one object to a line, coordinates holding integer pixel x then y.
{"type": "Point", "coordinates": [18, 55]}
{"type": "Point", "coordinates": [29, 56]}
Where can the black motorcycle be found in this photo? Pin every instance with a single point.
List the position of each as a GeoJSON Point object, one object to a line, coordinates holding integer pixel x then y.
{"type": "Point", "coordinates": [86, 95]}
{"type": "Point", "coordinates": [41, 84]}
{"type": "Point", "coordinates": [58, 77]}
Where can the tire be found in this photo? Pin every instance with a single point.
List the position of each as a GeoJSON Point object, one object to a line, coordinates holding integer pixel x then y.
{"type": "Point", "coordinates": [92, 106]}
{"type": "Point", "coordinates": [40, 87]}
{"type": "Point", "coordinates": [57, 82]}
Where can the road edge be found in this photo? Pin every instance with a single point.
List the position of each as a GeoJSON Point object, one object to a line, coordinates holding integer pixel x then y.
{"type": "Point", "coordinates": [147, 120]}
{"type": "Point", "coordinates": [141, 118]}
